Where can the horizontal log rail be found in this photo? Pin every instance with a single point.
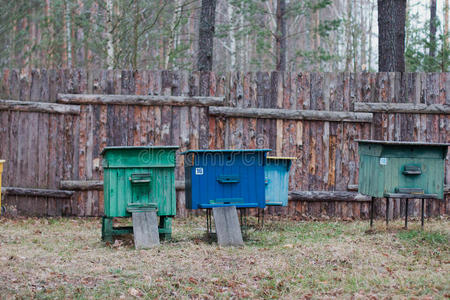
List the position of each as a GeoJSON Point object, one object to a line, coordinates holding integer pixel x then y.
{"type": "Point", "coordinates": [44, 107]}
{"type": "Point", "coordinates": [139, 100]}
{"type": "Point", "coordinates": [416, 108]}
{"type": "Point", "coordinates": [81, 185]}
{"type": "Point", "coordinates": [89, 185]}
{"type": "Point", "coordinates": [354, 187]}
{"type": "Point", "coordinates": [327, 196]}
{"type": "Point", "coordinates": [20, 191]}
{"type": "Point", "coordinates": [287, 114]}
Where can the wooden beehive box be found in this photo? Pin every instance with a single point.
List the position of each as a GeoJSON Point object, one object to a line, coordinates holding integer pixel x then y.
{"type": "Point", "coordinates": [390, 169]}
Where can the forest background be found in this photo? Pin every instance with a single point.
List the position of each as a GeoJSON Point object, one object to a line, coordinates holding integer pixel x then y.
{"type": "Point", "coordinates": [249, 35]}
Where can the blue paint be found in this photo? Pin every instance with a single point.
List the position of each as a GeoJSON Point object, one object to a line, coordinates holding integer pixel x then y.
{"type": "Point", "coordinates": [277, 181]}
{"type": "Point", "coordinates": [218, 178]}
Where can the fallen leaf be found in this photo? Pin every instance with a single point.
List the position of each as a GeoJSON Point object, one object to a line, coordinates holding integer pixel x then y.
{"type": "Point", "coordinates": [135, 292]}
{"type": "Point", "coordinates": [193, 280]}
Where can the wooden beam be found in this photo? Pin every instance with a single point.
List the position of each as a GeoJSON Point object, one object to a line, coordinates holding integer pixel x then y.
{"type": "Point", "coordinates": [327, 196]}
{"type": "Point", "coordinates": [39, 107]}
{"type": "Point", "coordinates": [403, 108]}
{"type": "Point", "coordinates": [89, 185]}
{"type": "Point", "coordinates": [287, 114]}
{"type": "Point", "coordinates": [19, 191]}
{"type": "Point", "coordinates": [139, 100]}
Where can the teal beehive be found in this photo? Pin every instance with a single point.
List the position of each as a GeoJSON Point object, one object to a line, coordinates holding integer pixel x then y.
{"type": "Point", "coordinates": [277, 180]}
{"type": "Point", "coordinates": [138, 177]}
{"type": "Point", "coordinates": [390, 169]}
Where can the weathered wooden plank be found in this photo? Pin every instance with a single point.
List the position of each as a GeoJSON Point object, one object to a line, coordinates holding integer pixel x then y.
{"type": "Point", "coordinates": [4, 84]}
{"type": "Point", "coordinates": [412, 108]}
{"type": "Point", "coordinates": [145, 229]}
{"type": "Point", "coordinates": [205, 91]}
{"type": "Point", "coordinates": [27, 106]}
{"type": "Point", "coordinates": [20, 191]}
{"type": "Point", "coordinates": [5, 127]}
{"type": "Point", "coordinates": [273, 113]}
{"type": "Point", "coordinates": [227, 226]}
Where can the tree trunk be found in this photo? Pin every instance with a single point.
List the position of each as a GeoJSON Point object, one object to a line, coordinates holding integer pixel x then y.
{"type": "Point", "coordinates": [68, 28]}
{"type": "Point", "coordinates": [109, 35]}
{"type": "Point", "coordinates": [372, 8]}
{"type": "Point", "coordinates": [232, 38]}
{"type": "Point", "coordinates": [135, 36]}
{"type": "Point", "coordinates": [445, 42]}
{"type": "Point", "coordinates": [432, 28]}
{"type": "Point", "coordinates": [363, 38]}
{"type": "Point", "coordinates": [206, 35]}
{"type": "Point", "coordinates": [446, 36]}
{"type": "Point", "coordinates": [355, 38]}
{"type": "Point", "coordinates": [391, 37]}
{"type": "Point", "coordinates": [280, 37]}
{"type": "Point", "coordinates": [348, 34]}
{"type": "Point", "coordinates": [173, 32]}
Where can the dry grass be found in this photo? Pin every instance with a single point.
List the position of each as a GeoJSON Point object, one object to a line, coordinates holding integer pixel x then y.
{"type": "Point", "coordinates": [64, 258]}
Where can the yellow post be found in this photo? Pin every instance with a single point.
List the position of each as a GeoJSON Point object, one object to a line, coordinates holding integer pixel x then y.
{"type": "Point", "coordinates": [1, 171]}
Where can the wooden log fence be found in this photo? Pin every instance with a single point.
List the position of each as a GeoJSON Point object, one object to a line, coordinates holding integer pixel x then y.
{"type": "Point", "coordinates": [57, 122]}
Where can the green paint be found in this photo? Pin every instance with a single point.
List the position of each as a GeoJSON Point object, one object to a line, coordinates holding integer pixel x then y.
{"type": "Point", "coordinates": [387, 167]}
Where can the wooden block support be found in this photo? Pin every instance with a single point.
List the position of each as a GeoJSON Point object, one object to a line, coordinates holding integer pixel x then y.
{"type": "Point", "coordinates": [145, 229]}
{"type": "Point", "coordinates": [227, 226]}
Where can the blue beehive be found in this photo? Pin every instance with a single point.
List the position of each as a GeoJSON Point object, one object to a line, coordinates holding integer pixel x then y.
{"type": "Point", "coordinates": [217, 178]}
{"type": "Point", "coordinates": [277, 180]}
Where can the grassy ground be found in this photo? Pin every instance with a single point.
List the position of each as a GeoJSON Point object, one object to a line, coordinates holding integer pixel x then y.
{"type": "Point", "coordinates": [64, 258]}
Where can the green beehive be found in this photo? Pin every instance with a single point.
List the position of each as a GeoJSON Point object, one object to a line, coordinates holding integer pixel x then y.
{"type": "Point", "coordinates": [387, 169]}
{"type": "Point", "coordinates": [142, 176]}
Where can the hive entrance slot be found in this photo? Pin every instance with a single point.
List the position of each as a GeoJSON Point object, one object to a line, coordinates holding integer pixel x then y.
{"type": "Point", "coordinates": [415, 191]}
{"type": "Point", "coordinates": [412, 170]}
{"type": "Point", "coordinates": [228, 178]}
